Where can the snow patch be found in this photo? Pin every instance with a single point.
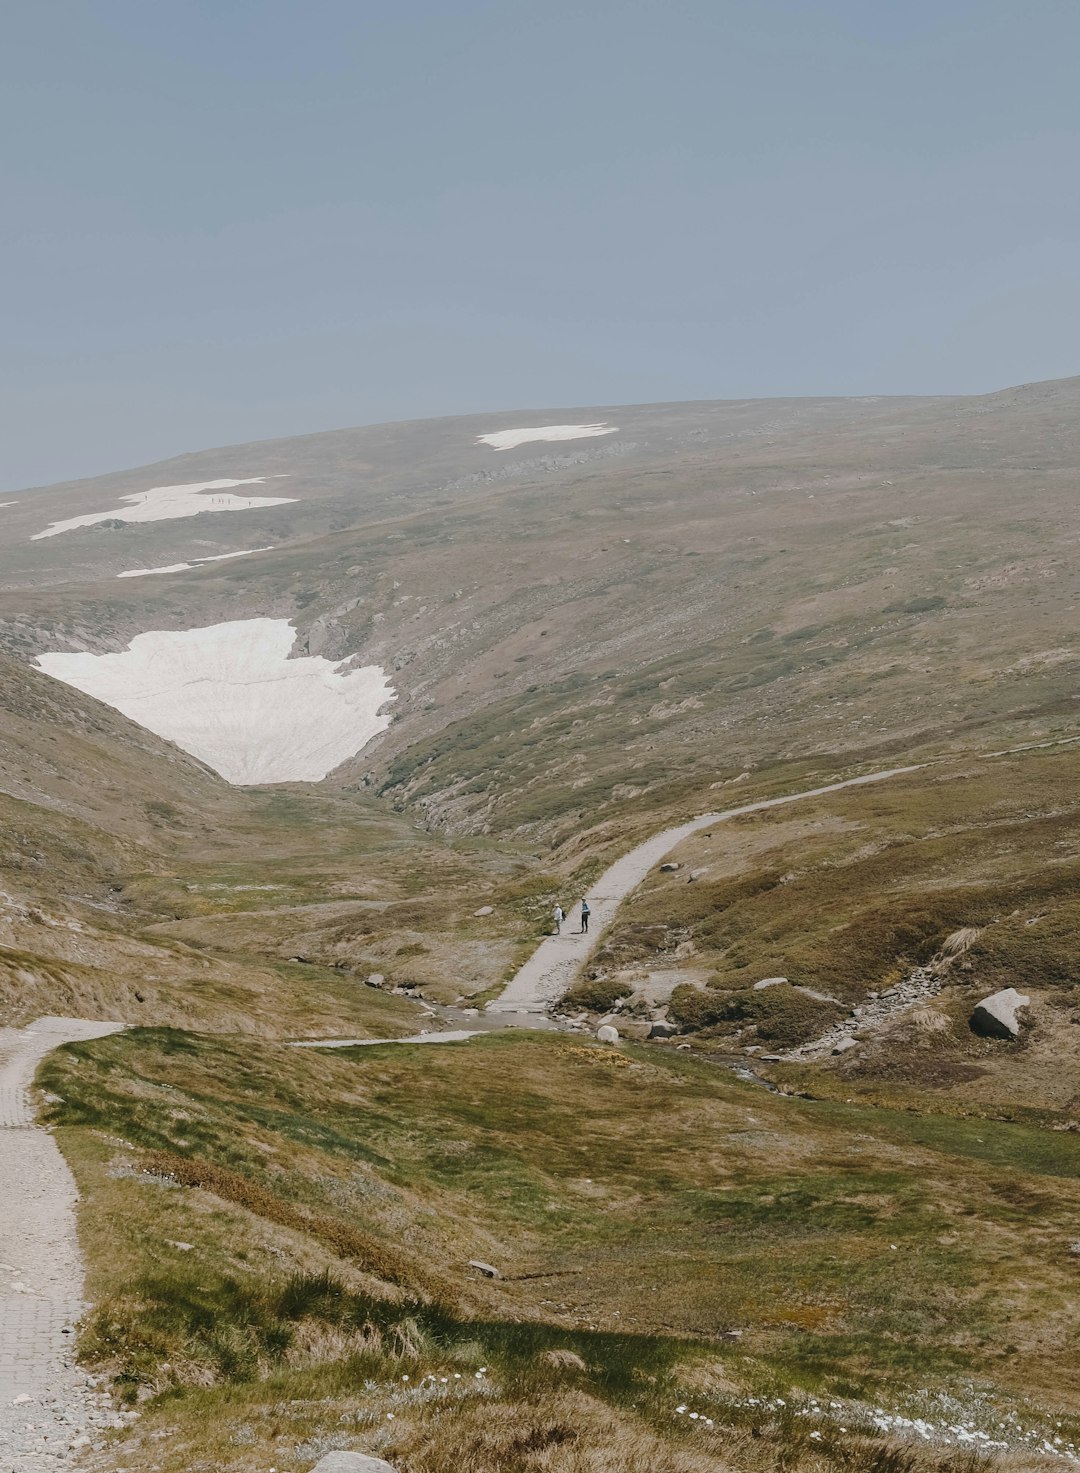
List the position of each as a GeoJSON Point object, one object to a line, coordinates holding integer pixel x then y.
{"type": "Point", "coordinates": [8, 503]}
{"type": "Point", "coordinates": [511, 439]}
{"type": "Point", "coordinates": [219, 557]}
{"type": "Point", "coordinates": [230, 695]}
{"type": "Point", "coordinates": [165, 503]}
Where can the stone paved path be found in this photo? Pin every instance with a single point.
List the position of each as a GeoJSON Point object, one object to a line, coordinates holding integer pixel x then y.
{"type": "Point", "coordinates": [555, 963]}
{"type": "Point", "coordinates": [48, 1410]}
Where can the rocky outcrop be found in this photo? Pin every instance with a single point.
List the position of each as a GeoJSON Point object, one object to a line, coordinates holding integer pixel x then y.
{"type": "Point", "coordinates": [996, 1016]}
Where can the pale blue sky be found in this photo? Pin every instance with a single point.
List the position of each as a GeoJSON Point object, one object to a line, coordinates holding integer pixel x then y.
{"type": "Point", "coordinates": [232, 219]}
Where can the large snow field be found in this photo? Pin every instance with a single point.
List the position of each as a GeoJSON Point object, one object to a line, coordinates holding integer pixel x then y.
{"type": "Point", "coordinates": [511, 439]}
{"type": "Point", "coordinates": [219, 557]}
{"type": "Point", "coordinates": [229, 695]}
{"type": "Point", "coordinates": [165, 503]}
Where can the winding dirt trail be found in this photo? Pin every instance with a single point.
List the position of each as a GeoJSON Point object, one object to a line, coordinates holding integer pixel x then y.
{"type": "Point", "coordinates": [48, 1410]}
{"type": "Point", "coordinates": [551, 969]}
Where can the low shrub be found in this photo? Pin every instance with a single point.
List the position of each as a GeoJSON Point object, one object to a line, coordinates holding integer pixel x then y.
{"type": "Point", "coordinates": [597, 994]}
{"type": "Point", "coordinates": [782, 1015]}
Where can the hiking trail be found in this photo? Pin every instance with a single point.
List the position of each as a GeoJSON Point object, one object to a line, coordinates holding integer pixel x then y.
{"type": "Point", "coordinates": [553, 966]}
{"type": "Point", "coordinates": [49, 1410]}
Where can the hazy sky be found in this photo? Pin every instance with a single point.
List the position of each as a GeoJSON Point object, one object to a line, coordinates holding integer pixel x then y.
{"type": "Point", "coordinates": [232, 219]}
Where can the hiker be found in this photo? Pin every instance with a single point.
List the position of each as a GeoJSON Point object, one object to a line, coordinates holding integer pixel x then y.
{"type": "Point", "coordinates": [559, 918]}
{"type": "Point", "coordinates": [585, 914]}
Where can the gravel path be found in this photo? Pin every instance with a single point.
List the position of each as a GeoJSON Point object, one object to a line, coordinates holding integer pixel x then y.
{"type": "Point", "coordinates": [551, 969]}
{"type": "Point", "coordinates": [48, 1409]}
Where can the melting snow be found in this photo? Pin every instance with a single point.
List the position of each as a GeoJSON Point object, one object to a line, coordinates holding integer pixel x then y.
{"type": "Point", "coordinates": [511, 439]}
{"type": "Point", "coordinates": [195, 563]}
{"type": "Point", "coordinates": [164, 503]}
{"type": "Point", "coordinates": [229, 695]}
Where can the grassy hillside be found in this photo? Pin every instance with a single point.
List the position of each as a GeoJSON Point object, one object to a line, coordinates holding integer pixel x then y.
{"type": "Point", "coordinates": [665, 1236]}
{"type": "Point", "coordinates": [739, 587]}
{"type": "Point", "coordinates": [845, 899]}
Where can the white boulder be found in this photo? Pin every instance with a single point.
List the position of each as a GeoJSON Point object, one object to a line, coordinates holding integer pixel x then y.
{"type": "Point", "coordinates": [607, 1034]}
{"type": "Point", "coordinates": [995, 1016]}
{"type": "Point", "coordinates": [770, 982]}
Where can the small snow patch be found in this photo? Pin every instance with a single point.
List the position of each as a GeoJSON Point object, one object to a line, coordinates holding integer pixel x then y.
{"type": "Point", "coordinates": [511, 439]}
{"type": "Point", "coordinates": [220, 557]}
{"type": "Point", "coordinates": [230, 695]}
{"type": "Point", "coordinates": [165, 503]}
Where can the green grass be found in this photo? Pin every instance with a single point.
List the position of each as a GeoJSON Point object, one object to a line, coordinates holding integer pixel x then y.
{"type": "Point", "coordinates": [489, 1136]}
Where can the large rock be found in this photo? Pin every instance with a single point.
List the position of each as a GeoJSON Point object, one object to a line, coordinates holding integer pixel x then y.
{"type": "Point", "coordinates": [995, 1016]}
{"type": "Point", "coordinates": [351, 1463]}
{"type": "Point", "coordinates": [770, 982]}
{"type": "Point", "coordinates": [669, 868]}
{"type": "Point", "coordinates": [661, 1029]}
{"type": "Point", "coordinates": [607, 1034]}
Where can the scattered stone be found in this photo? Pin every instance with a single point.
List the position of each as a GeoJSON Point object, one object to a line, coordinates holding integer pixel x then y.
{"type": "Point", "coordinates": [843, 1045]}
{"type": "Point", "coordinates": [669, 868]}
{"type": "Point", "coordinates": [770, 982]}
{"type": "Point", "coordinates": [351, 1463]}
{"type": "Point", "coordinates": [772, 1058]}
{"type": "Point", "coordinates": [995, 1016]}
{"type": "Point", "coordinates": [564, 1360]}
{"type": "Point", "coordinates": [607, 1034]}
{"type": "Point", "coordinates": [660, 1029]}
{"type": "Point", "coordinates": [375, 980]}
{"type": "Point", "coordinates": [485, 910]}
{"type": "Point", "coordinates": [696, 874]}
{"type": "Point", "coordinates": [181, 1247]}
{"type": "Point", "coordinates": [486, 1269]}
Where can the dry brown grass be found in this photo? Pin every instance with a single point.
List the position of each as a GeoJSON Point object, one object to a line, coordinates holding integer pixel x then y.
{"type": "Point", "coordinates": [370, 1254]}
{"type": "Point", "coordinates": [547, 1432]}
